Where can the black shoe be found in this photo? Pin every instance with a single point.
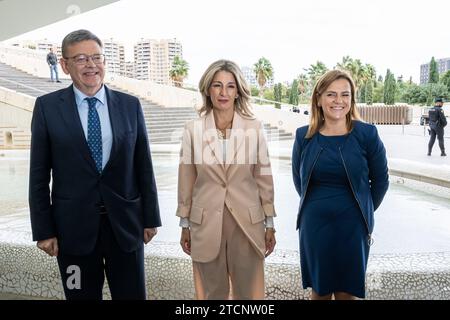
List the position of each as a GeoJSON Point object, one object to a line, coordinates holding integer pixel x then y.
{"type": "Point", "coordinates": [429, 154]}
{"type": "Point", "coordinates": [443, 154]}
{"type": "Point", "coordinates": [58, 81]}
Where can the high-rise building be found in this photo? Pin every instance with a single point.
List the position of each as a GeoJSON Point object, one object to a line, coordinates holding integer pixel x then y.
{"type": "Point", "coordinates": [129, 69]}
{"type": "Point", "coordinates": [114, 56]}
{"type": "Point", "coordinates": [443, 66]}
{"type": "Point", "coordinates": [250, 77]}
{"type": "Point", "coordinates": [153, 59]}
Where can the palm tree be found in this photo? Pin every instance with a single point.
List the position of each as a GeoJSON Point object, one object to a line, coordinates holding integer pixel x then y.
{"type": "Point", "coordinates": [359, 72]}
{"type": "Point", "coordinates": [264, 72]}
{"type": "Point", "coordinates": [315, 71]}
{"type": "Point", "coordinates": [371, 72]}
{"type": "Point", "coordinates": [346, 61]}
{"type": "Point", "coordinates": [179, 71]}
{"type": "Point", "coordinates": [302, 83]}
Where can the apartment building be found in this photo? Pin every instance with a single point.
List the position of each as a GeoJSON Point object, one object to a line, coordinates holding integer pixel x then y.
{"type": "Point", "coordinates": [153, 59]}
{"type": "Point", "coordinates": [443, 66]}
{"type": "Point", "coordinates": [114, 56]}
{"type": "Point", "coordinates": [250, 77]}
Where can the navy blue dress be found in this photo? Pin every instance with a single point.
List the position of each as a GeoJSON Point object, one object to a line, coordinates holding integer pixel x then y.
{"type": "Point", "coordinates": [332, 233]}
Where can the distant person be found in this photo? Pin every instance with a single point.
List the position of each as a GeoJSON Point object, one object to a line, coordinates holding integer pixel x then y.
{"type": "Point", "coordinates": [340, 172]}
{"type": "Point", "coordinates": [225, 190]}
{"type": "Point", "coordinates": [101, 207]}
{"type": "Point", "coordinates": [52, 61]}
{"type": "Point", "coordinates": [437, 122]}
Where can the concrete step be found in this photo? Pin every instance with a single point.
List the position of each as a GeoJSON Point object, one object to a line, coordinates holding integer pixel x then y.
{"type": "Point", "coordinates": [169, 115]}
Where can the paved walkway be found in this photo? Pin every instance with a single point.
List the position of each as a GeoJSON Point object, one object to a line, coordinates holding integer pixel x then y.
{"type": "Point", "coordinates": [406, 149]}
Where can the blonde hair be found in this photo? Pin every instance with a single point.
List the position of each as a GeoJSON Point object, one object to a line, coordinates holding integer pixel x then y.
{"type": "Point", "coordinates": [241, 104]}
{"type": "Point", "coordinates": [317, 119]}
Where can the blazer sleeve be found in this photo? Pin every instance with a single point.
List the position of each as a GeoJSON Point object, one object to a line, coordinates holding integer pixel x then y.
{"type": "Point", "coordinates": [262, 174]}
{"type": "Point", "coordinates": [187, 174]}
{"type": "Point", "coordinates": [42, 223]}
{"type": "Point", "coordinates": [296, 153]}
{"type": "Point", "coordinates": [378, 168]}
{"type": "Point", "coordinates": [145, 174]}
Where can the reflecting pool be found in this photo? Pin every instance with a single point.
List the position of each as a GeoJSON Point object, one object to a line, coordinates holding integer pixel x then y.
{"type": "Point", "coordinates": [408, 221]}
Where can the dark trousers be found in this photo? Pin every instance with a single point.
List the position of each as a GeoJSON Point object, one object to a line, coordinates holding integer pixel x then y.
{"type": "Point", "coordinates": [83, 276]}
{"type": "Point", "coordinates": [439, 132]}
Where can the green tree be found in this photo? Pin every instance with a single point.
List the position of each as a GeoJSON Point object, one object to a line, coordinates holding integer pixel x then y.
{"type": "Point", "coordinates": [369, 92]}
{"type": "Point", "coordinates": [371, 72]}
{"type": "Point", "coordinates": [445, 80]}
{"type": "Point", "coordinates": [277, 93]}
{"type": "Point", "coordinates": [389, 88]}
{"type": "Point", "coordinates": [264, 72]}
{"type": "Point", "coordinates": [362, 93]}
{"type": "Point", "coordinates": [254, 91]}
{"type": "Point", "coordinates": [402, 89]}
{"type": "Point", "coordinates": [179, 71]}
{"type": "Point", "coordinates": [378, 93]}
{"type": "Point", "coordinates": [434, 74]}
{"type": "Point", "coordinates": [415, 94]}
{"type": "Point", "coordinates": [293, 98]}
{"type": "Point", "coordinates": [435, 90]}
{"type": "Point", "coordinates": [269, 95]}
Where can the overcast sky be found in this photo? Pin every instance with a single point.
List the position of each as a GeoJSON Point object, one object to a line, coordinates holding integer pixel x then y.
{"type": "Point", "coordinates": [395, 34]}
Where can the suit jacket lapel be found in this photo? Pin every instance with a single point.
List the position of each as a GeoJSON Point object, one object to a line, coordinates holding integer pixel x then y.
{"type": "Point", "coordinates": [69, 113]}
{"type": "Point", "coordinates": [236, 138]}
{"type": "Point", "coordinates": [115, 119]}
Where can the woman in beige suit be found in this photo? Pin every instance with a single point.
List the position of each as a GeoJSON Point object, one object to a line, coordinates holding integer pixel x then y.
{"type": "Point", "coordinates": [225, 190]}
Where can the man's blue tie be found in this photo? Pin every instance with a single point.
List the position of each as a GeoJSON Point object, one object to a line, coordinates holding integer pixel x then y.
{"type": "Point", "coordinates": [94, 135]}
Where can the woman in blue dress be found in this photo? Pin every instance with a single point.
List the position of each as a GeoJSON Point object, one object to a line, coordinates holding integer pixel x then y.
{"type": "Point", "coordinates": [340, 172]}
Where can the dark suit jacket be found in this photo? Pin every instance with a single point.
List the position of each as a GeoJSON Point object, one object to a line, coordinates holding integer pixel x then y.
{"type": "Point", "coordinates": [70, 210]}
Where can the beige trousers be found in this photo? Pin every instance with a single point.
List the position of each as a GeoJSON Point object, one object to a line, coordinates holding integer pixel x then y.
{"type": "Point", "coordinates": [237, 272]}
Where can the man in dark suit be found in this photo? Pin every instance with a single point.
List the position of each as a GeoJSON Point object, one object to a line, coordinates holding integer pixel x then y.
{"type": "Point", "coordinates": [103, 204]}
{"type": "Point", "coordinates": [437, 123]}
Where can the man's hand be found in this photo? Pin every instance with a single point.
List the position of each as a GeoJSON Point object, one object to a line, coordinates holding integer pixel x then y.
{"type": "Point", "coordinates": [270, 240]}
{"type": "Point", "coordinates": [185, 240]}
{"type": "Point", "coordinates": [49, 246]}
{"type": "Point", "coordinates": [149, 233]}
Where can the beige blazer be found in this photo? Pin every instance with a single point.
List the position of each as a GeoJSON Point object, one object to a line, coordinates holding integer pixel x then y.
{"type": "Point", "coordinates": [243, 182]}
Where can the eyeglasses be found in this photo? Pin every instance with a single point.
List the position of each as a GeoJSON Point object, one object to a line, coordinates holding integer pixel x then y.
{"type": "Point", "coordinates": [83, 59]}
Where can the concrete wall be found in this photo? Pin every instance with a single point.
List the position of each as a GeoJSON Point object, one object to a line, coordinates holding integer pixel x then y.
{"type": "Point", "coordinates": [163, 95]}
{"type": "Point", "coordinates": [283, 119]}
{"type": "Point", "coordinates": [15, 119]}
{"type": "Point", "coordinates": [15, 108]}
{"type": "Point", "coordinates": [31, 61]}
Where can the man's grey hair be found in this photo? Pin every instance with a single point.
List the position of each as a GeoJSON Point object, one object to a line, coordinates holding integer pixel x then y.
{"type": "Point", "coordinates": [78, 36]}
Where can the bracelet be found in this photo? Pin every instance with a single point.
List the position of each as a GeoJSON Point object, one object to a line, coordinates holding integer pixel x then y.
{"type": "Point", "coordinates": [270, 228]}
